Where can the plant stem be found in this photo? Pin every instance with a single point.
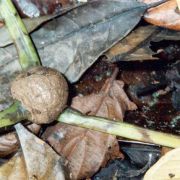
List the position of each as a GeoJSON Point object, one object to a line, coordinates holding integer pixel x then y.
{"type": "Point", "coordinates": [27, 53]}
{"type": "Point", "coordinates": [122, 129]}
{"type": "Point", "coordinates": [13, 114]}
{"type": "Point", "coordinates": [16, 113]}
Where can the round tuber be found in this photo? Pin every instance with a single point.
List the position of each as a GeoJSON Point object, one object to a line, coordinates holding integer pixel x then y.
{"type": "Point", "coordinates": [42, 91]}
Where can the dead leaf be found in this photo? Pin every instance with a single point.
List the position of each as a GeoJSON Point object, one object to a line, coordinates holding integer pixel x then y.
{"type": "Point", "coordinates": [37, 160]}
{"type": "Point", "coordinates": [166, 15]}
{"type": "Point", "coordinates": [133, 47]}
{"type": "Point", "coordinates": [40, 160]}
{"type": "Point", "coordinates": [9, 142]}
{"type": "Point", "coordinates": [168, 167]}
{"type": "Point", "coordinates": [82, 35]}
{"type": "Point", "coordinates": [139, 45]}
{"type": "Point", "coordinates": [88, 150]}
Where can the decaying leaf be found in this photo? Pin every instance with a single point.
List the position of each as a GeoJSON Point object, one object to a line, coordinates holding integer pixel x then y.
{"type": "Point", "coordinates": [133, 47]}
{"type": "Point", "coordinates": [166, 15]}
{"type": "Point", "coordinates": [40, 160]}
{"type": "Point", "coordinates": [73, 42]}
{"type": "Point", "coordinates": [168, 167]}
{"type": "Point", "coordinates": [139, 44]}
{"type": "Point", "coordinates": [9, 142]}
{"type": "Point", "coordinates": [88, 150]}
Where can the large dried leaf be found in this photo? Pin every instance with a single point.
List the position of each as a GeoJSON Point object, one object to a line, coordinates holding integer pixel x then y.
{"type": "Point", "coordinates": [88, 150]}
{"type": "Point", "coordinates": [166, 15]}
{"type": "Point", "coordinates": [112, 102]}
{"type": "Point", "coordinates": [168, 167]}
{"type": "Point", "coordinates": [9, 142]}
{"type": "Point", "coordinates": [73, 42]}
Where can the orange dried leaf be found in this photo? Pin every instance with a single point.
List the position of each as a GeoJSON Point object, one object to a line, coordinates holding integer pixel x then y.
{"type": "Point", "coordinates": [88, 150]}
{"type": "Point", "coordinates": [165, 15]}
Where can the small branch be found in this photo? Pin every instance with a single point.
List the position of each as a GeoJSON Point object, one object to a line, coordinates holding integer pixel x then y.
{"type": "Point", "coordinates": [122, 129]}
{"type": "Point", "coordinates": [27, 53]}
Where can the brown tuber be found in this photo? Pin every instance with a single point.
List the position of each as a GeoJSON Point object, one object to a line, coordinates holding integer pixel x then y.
{"type": "Point", "coordinates": [42, 91]}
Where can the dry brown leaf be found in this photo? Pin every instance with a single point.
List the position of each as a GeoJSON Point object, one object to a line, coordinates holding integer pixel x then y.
{"type": "Point", "coordinates": [135, 46]}
{"type": "Point", "coordinates": [167, 168]}
{"type": "Point", "coordinates": [9, 142]}
{"type": "Point", "coordinates": [37, 160]}
{"type": "Point", "coordinates": [165, 15]}
{"type": "Point", "coordinates": [40, 159]}
{"type": "Point", "coordinates": [145, 43]}
{"type": "Point", "coordinates": [88, 150]}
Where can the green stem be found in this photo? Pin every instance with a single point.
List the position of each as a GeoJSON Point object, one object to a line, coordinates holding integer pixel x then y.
{"type": "Point", "coordinates": [119, 129]}
{"type": "Point", "coordinates": [27, 53]}
{"type": "Point", "coordinates": [13, 114]}
{"type": "Point", "coordinates": [17, 113]}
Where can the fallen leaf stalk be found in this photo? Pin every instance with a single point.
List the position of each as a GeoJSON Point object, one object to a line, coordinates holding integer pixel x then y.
{"type": "Point", "coordinates": [27, 53]}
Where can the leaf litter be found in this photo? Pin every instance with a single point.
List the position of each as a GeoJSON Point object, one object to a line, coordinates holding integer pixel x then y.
{"type": "Point", "coordinates": [100, 24]}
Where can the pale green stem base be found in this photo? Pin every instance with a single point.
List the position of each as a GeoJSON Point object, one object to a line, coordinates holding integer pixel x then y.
{"type": "Point", "coordinates": [12, 115]}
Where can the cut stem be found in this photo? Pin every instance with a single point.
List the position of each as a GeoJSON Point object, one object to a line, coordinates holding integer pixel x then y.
{"type": "Point", "coordinates": [27, 53]}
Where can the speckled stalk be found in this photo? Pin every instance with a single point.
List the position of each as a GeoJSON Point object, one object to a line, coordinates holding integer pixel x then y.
{"type": "Point", "coordinates": [27, 53]}
{"type": "Point", "coordinates": [122, 129]}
